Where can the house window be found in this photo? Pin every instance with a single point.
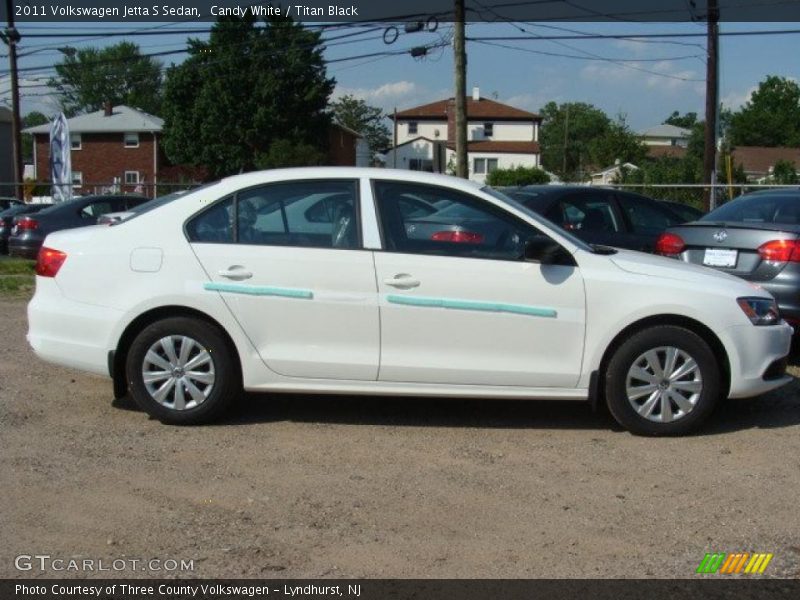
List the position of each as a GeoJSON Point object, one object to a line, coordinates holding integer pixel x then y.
{"type": "Point", "coordinates": [488, 129]}
{"type": "Point", "coordinates": [131, 177]}
{"type": "Point", "coordinates": [481, 166]}
{"type": "Point", "coordinates": [77, 179]}
{"type": "Point", "coordinates": [412, 127]}
{"type": "Point", "coordinates": [75, 141]}
{"type": "Point", "coordinates": [132, 140]}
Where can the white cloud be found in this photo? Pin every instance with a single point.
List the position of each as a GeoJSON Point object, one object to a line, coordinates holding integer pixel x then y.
{"type": "Point", "coordinates": [34, 95]}
{"type": "Point", "coordinates": [736, 99]}
{"type": "Point", "coordinates": [663, 75]}
{"type": "Point", "coordinates": [400, 94]}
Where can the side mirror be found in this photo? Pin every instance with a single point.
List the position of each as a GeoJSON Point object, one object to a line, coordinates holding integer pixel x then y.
{"type": "Point", "coordinates": [541, 249]}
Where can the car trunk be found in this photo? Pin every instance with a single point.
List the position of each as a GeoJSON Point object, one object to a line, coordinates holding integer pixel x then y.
{"type": "Point", "coordinates": [733, 247]}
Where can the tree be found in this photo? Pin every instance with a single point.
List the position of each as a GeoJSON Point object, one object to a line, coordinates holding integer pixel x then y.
{"type": "Point", "coordinates": [686, 121]}
{"type": "Point", "coordinates": [517, 176]}
{"type": "Point", "coordinates": [368, 120]}
{"type": "Point", "coordinates": [246, 93]}
{"type": "Point", "coordinates": [784, 172]}
{"type": "Point", "coordinates": [89, 77]}
{"type": "Point", "coordinates": [771, 117]}
{"type": "Point", "coordinates": [32, 119]}
{"type": "Point", "coordinates": [592, 139]}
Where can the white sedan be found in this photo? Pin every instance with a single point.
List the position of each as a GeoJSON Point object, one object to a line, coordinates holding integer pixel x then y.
{"type": "Point", "coordinates": [232, 286]}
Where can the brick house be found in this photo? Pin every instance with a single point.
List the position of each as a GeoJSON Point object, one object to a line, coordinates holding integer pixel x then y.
{"type": "Point", "coordinates": [499, 136]}
{"type": "Point", "coordinates": [114, 149]}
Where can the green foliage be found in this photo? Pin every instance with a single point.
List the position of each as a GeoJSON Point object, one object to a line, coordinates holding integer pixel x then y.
{"type": "Point", "coordinates": [368, 120]}
{"type": "Point", "coordinates": [89, 77]}
{"type": "Point", "coordinates": [771, 117]}
{"type": "Point", "coordinates": [686, 121]}
{"type": "Point", "coordinates": [592, 139]}
{"type": "Point", "coordinates": [17, 266]}
{"type": "Point", "coordinates": [286, 153]}
{"type": "Point", "coordinates": [785, 172]}
{"type": "Point", "coordinates": [245, 89]}
{"type": "Point", "coordinates": [32, 119]}
{"type": "Point", "coordinates": [516, 176]}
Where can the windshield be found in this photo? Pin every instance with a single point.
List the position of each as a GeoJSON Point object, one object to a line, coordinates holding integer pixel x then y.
{"type": "Point", "coordinates": [519, 206]}
{"type": "Point", "coordinates": [759, 208]}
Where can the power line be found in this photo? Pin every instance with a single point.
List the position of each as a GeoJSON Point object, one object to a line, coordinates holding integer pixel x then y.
{"type": "Point", "coordinates": [625, 36]}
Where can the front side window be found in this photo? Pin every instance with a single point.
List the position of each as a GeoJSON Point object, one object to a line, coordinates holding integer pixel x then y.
{"type": "Point", "coordinates": [461, 225]}
{"type": "Point", "coordinates": [585, 212]}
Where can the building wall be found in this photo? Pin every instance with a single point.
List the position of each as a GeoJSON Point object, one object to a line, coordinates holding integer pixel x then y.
{"type": "Point", "coordinates": [505, 160]}
{"type": "Point", "coordinates": [665, 141]}
{"type": "Point", "coordinates": [426, 129]}
{"type": "Point", "coordinates": [504, 131]}
{"type": "Point", "coordinates": [102, 159]}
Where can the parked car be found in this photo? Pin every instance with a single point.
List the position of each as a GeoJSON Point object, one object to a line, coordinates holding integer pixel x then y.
{"type": "Point", "coordinates": [191, 299]}
{"type": "Point", "coordinates": [30, 231]}
{"type": "Point", "coordinates": [7, 202]}
{"type": "Point", "coordinates": [687, 212]}
{"type": "Point", "coordinates": [8, 216]}
{"type": "Point", "coordinates": [755, 237]}
{"type": "Point", "coordinates": [599, 215]}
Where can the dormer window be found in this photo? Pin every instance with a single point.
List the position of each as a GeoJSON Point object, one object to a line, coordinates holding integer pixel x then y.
{"type": "Point", "coordinates": [412, 128]}
{"type": "Point", "coordinates": [488, 130]}
{"type": "Point", "coordinates": [132, 140]}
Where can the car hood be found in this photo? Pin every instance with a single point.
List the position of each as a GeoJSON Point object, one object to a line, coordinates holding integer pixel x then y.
{"type": "Point", "coordinates": [670, 268]}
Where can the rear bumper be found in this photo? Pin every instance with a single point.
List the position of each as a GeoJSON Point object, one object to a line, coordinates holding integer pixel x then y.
{"type": "Point", "coordinates": [753, 353]}
{"type": "Point", "coordinates": [68, 333]}
{"type": "Point", "coordinates": [23, 249]}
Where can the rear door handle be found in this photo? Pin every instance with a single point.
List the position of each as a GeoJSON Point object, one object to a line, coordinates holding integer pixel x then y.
{"type": "Point", "coordinates": [403, 281]}
{"type": "Point", "coordinates": [236, 273]}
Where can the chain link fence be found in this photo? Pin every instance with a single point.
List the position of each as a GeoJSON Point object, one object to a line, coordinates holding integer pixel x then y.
{"type": "Point", "coordinates": [41, 191]}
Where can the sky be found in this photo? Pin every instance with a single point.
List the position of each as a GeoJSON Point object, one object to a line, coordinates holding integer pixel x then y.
{"type": "Point", "coordinates": [654, 80]}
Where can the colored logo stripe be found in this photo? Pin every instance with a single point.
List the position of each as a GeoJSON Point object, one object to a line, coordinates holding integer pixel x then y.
{"type": "Point", "coordinates": [518, 309]}
{"type": "Point", "coordinates": [258, 290]}
{"type": "Point", "coordinates": [732, 564]}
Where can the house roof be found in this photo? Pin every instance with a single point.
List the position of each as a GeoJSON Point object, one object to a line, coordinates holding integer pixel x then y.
{"type": "Point", "coordinates": [476, 109]}
{"type": "Point", "coordinates": [616, 168]}
{"type": "Point", "coordinates": [666, 131]}
{"type": "Point", "coordinates": [500, 147]}
{"type": "Point", "coordinates": [662, 151]}
{"type": "Point", "coordinates": [345, 128]}
{"type": "Point", "coordinates": [759, 159]}
{"type": "Point", "coordinates": [123, 119]}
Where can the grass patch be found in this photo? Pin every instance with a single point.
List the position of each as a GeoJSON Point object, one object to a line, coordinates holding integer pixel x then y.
{"type": "Point", "coordinates": [16, 266]}
{"type": "Point", "coordinates": [16, 284]}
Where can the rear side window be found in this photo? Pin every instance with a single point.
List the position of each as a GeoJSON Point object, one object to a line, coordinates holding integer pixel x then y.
{"type": "Point", "coordinates": [586, 212]}
{"type": "Point", "coordinates": [314, 214]}
{"type": "Point", "coordinates": [646, 216]}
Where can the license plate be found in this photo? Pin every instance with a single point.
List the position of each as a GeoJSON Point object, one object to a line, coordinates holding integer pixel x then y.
{"type": "Point", "coordinates": [720, 257]}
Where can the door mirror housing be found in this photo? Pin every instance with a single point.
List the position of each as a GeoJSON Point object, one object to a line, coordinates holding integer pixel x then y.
{"type": "Point", "coordinates": [541, 249]}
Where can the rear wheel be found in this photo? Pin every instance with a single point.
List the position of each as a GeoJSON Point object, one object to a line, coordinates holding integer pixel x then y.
{"type": "Point", "coordinates": [181, 371]}
{"type": "Point", "coordinates": [662, 380]}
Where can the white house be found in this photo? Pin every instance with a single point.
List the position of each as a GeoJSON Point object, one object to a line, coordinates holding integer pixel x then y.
{"type": "Point", "coordinates": [665, 135]}
{"type": "Point", "coordinates": [499, 136]}
{"type": "Point", "coordinates": [612, 174]}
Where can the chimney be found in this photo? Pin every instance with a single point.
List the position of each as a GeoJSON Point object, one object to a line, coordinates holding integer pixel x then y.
{"type": "Point", "coordinates": [108, 108]}
{"type": "Point", "coordinates": [476, 94]}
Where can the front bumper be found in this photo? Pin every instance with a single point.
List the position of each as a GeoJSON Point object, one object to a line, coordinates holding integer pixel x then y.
{"type": "Point", "coordinates": [753, 353]}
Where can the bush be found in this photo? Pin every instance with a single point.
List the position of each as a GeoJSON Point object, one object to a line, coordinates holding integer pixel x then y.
{"type": "Point", "coordinates": [517, 176]}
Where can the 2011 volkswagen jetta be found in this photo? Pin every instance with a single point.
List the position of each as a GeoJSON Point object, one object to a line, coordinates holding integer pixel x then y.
{"type": "Point", "coordinates": [323, 280]}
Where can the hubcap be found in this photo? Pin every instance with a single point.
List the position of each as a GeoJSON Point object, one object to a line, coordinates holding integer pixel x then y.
{"type": "Point", "coordinates": [664, 384]}
{"type": "Point", "coordinates": [178, 372]}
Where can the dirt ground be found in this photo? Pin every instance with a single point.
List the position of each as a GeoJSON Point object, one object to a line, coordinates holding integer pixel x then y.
{"type": "Point", "coordinates": [296, 486]}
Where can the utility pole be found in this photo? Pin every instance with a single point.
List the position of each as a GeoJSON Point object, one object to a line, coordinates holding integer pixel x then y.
{"type": "Point", "coordinates": [459, 47]}
{"type": "Point", "coordinates": [712, 103]}
{"type": "Point", "coordinates": [566, 141]}
{"type": "Point", "coordinates": [11, 37]}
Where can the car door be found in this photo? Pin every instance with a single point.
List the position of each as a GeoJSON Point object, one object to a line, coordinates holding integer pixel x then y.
{"type": "Point", "coordinates": [458, 303]}
{"type": "Point", "coordinates": [303, 292]}
{"type": "Point", "coordinates": [646, 220]}
{"type": "Point", "coordinates": [591, 215]}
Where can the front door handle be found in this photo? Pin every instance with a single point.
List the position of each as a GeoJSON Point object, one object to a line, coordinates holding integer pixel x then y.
{"type": "Point", "coordinates": [403, 281]}
{"type": "Point", "coordinates": [236, 273]}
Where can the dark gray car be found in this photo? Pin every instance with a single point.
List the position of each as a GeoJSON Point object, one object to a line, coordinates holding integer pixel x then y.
{"type": "Point", "coordinates": [8, 216]}
{"type": "Point", "coordinates": [30, 231]}
{"type": "Point", "coordinates": [756, 237]}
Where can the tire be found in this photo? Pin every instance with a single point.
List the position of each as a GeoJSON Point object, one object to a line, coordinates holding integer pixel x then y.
{"type": "Point", "coordinates": [662, 405]}
{"type": "Point", "coordinates": [174, 394]}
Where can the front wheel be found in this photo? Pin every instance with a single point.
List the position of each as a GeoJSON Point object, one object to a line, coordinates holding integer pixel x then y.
{"type": "Point", "coordinates": [663, 380]}
{"type": "Point", "coordinates": [181, 371]}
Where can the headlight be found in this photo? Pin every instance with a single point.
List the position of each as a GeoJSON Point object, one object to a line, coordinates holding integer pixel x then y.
{"type": "Point", "coordinates": [760, 311]}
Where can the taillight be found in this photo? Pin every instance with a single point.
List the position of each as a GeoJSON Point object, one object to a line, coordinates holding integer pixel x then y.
{"type": "Point", "coordinates": [49, 261]}
{"type": "Point", "coordinates": [458, 237]}
{"type": "Point", "coordinates": [669, 244]}
{"type": "Point", "coordinates": [27, 224]}
{"type": "Point", "coordinates": [780, 251]}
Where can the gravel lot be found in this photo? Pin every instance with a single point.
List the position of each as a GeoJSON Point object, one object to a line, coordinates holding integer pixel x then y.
{"type": "Point", "coordinates": [297, 486]}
